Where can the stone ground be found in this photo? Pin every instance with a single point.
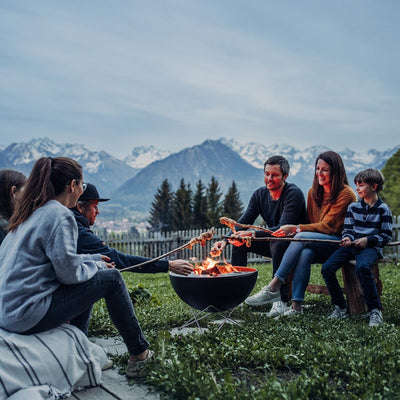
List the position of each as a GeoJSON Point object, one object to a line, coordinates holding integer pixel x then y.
{"type": "Point", "coordinates": [115, 386]}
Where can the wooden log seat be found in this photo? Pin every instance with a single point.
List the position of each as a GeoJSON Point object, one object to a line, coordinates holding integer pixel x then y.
{"type": "Point", "coordinates": [352, 287]}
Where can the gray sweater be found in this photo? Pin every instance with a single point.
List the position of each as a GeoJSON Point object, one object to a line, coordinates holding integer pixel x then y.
{"type": "Point", "coordinates": [35, 260]}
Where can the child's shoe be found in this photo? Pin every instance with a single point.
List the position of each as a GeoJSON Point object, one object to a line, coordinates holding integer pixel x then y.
{"type": "Point", "coordinates": [375, 317]}
{"type": "Point", "coordinates": [338, 313]}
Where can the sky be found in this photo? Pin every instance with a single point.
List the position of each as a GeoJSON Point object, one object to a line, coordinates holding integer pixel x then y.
{"type": "Point", "coordinates": [113, 75]}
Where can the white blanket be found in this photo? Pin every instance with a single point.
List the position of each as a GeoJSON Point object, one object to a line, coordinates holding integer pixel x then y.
{"type": "Point", "coordinates": [48, 365]}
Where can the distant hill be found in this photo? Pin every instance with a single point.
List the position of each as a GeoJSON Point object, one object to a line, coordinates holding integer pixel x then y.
{"type": "Point", "coordinates": [211, 158]}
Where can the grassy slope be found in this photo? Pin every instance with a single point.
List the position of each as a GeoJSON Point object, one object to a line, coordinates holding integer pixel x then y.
{"type": "Point", "coordinates": [305, 357]}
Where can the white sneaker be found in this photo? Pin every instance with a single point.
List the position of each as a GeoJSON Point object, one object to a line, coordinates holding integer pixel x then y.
{"type": "Point", "coordinates": [278, 308]}
{"type": "Point", "coordinates": [338, 313]}
{"type": "Point", "coordinates": [264, 296]}
{"type": "Point", "coordinates": [375, 317]}
{"type": "Point", "coordinates": [292, 312]}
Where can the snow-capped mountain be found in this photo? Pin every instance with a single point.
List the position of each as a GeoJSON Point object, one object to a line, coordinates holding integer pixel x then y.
{"type": "Point", "coordinates": [132, 182]}
{"type": "Point", "coordinates": [100, 168]}
{"type": "Point", "coordinates": [256, 154]}
{"type": "Point", "coordinates": [200, 162]}
{"type": "Point", "coordinates": [142, 156]}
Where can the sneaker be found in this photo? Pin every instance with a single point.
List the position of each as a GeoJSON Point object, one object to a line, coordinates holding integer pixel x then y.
{"type": "Point", "coordinates": [134, 367]}
{"type": "Point", "coordinates": [375, 317]}
{"type": "Point", "coordinates": [108, 364]}
{"type": "Point", "coordinates": [292, 312]}
{"type": "Point", "coordinates": [338, 313]}
{"type": "Point", "coordinates": [278, 308]}
{"type": "Point", "coordinates": [264, 296]}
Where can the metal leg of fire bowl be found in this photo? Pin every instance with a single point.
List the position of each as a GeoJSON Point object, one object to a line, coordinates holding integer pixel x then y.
{"type": "Point", "coordinates": [227, 318]}
{"type": "Point", "coordinates": [207, 313]}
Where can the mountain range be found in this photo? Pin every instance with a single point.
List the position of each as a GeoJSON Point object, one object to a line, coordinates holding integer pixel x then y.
{"type": "Point", "coordinates": [132, 182]}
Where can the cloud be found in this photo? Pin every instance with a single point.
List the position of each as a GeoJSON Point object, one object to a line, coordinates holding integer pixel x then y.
{"type": "Point", "coordinates": [149, 72]}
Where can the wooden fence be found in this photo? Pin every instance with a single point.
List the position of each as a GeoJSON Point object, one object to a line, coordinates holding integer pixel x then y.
{"type": "Point", "coordinates": [154, 244]}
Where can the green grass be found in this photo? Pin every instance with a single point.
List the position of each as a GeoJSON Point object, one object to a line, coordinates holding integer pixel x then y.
{"type": "Point", "coordinates": [303, 357]}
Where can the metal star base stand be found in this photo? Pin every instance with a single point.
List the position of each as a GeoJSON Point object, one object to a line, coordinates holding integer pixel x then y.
{"type": "Point", "coordinates": [207, 312]}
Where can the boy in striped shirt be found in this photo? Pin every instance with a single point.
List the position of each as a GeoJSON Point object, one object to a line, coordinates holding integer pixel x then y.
{"type": "Point", "coordinates": [367, 229]}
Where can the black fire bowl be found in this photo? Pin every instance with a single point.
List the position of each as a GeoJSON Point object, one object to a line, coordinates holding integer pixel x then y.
{"type": "Point", "coordinates": [215, 293]}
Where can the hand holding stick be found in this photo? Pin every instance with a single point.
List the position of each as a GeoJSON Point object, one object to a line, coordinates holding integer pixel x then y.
{"type": "Point", "coordinates": [202, 238]}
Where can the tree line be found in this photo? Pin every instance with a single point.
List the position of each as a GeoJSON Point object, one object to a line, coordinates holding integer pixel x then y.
{"type": "Point", "coordinates": [184, 209]}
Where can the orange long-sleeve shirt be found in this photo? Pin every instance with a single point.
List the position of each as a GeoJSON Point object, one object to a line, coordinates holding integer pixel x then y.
{"type": "Point", "coordinates": [328, 218]}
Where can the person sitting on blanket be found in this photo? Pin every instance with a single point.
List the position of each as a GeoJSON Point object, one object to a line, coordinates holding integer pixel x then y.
{"type": "Point", "coordinates": [367, 229]}
{"type": "Point", "coordinates": [11, 182]}
{"type": "Point", "coordinates": [44, 282]}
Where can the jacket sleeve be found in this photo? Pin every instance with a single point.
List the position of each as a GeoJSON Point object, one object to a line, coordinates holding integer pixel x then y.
{"type": "Point", "coordinates": [90, 243]}
{"type": "Point", "coordinates": [70, 268]}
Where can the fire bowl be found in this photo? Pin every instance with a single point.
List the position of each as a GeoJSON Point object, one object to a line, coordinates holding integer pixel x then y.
{"type": "Point", "coordinates": [215, 293]}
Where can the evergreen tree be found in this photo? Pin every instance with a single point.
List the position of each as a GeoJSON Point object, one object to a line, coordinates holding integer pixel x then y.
{"type": "Point", "coordinates": [200, 207]}
{"type": "Point", "coordinates": [214, 206]}
{"type": "Point", "coordinates": [391, 191]}
{"type": "Point", "coordinates": [181, 207]}
{"type": "Point", "coordinates": [232, 205]}
{"type": "Point", "coordinates": [160, 216]}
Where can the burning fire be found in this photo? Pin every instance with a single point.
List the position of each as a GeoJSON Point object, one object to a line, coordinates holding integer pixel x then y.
{"type": "Point", "coordinates": [212, 267]}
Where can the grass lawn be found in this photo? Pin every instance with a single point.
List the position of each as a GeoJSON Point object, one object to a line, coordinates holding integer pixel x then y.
{"type": "Point", "coordinates": [302, 357]}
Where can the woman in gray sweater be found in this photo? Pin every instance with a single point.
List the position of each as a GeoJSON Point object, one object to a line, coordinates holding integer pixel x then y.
{"type": "Point", "coordinates": [43, 281]}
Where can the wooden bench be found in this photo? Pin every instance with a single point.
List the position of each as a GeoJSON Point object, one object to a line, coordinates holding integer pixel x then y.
{"type": "Point", "coordinates": [352, 287]}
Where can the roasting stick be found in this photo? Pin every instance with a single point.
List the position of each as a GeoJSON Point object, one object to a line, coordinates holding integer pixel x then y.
{"type": "Point", "coordinates": [290, 239]}
{"type": "Point", "coordinates": [232, 223]}
{"type": "Point", "coordinates": [202, 238]}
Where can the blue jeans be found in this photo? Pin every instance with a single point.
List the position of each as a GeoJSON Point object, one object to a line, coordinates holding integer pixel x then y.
{"type": "Point", "coordinates": [273, 249]}
{"type": "Point", "coordinates": [365, 258]}
{"type": "Point", "coordinates": [300, 255]}
{"type": "Point", "coordinates": [74, 303]}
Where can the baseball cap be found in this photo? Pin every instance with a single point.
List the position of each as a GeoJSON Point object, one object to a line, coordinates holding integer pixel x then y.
{"type": "Point", "coordinates": [91, 193]}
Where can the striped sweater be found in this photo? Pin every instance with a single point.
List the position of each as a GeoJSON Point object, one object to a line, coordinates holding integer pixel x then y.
{"type": "Point", "coordinates": [374, 222]}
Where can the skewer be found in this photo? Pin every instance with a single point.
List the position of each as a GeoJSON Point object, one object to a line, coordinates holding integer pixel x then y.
{"type": "Point", "coordinates": [202, 238]}
{"type": "Point", "coordinates": [232, 223]}
{"type": "Point", "coordinates": [289, 239]}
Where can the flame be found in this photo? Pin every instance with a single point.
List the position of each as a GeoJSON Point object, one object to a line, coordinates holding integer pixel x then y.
{"type": "Point", "coordinates": [213, 267]}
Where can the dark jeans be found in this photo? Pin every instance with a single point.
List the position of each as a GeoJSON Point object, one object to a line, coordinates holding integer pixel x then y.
{"type": "Point", "coordinates": [275, 250]}
{"type": "Point", "coordinates": [365, 258]}
{"type": "Point", "coordinates": [74, 303]}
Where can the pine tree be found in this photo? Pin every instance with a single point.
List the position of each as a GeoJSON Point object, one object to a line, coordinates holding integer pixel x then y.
{"type": "Point", "coordinates": [200, 207]}
{"type": "Point", "coordinates": [160, 215]}
{"type": "Point", "coordinates": [232, 205]}
{"type": "Point", "coordinates": [214, 206]}
{"type": "Point", "coordinates": [391, 191]}
{"type": "Point", "coordinates": [181, 207]}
